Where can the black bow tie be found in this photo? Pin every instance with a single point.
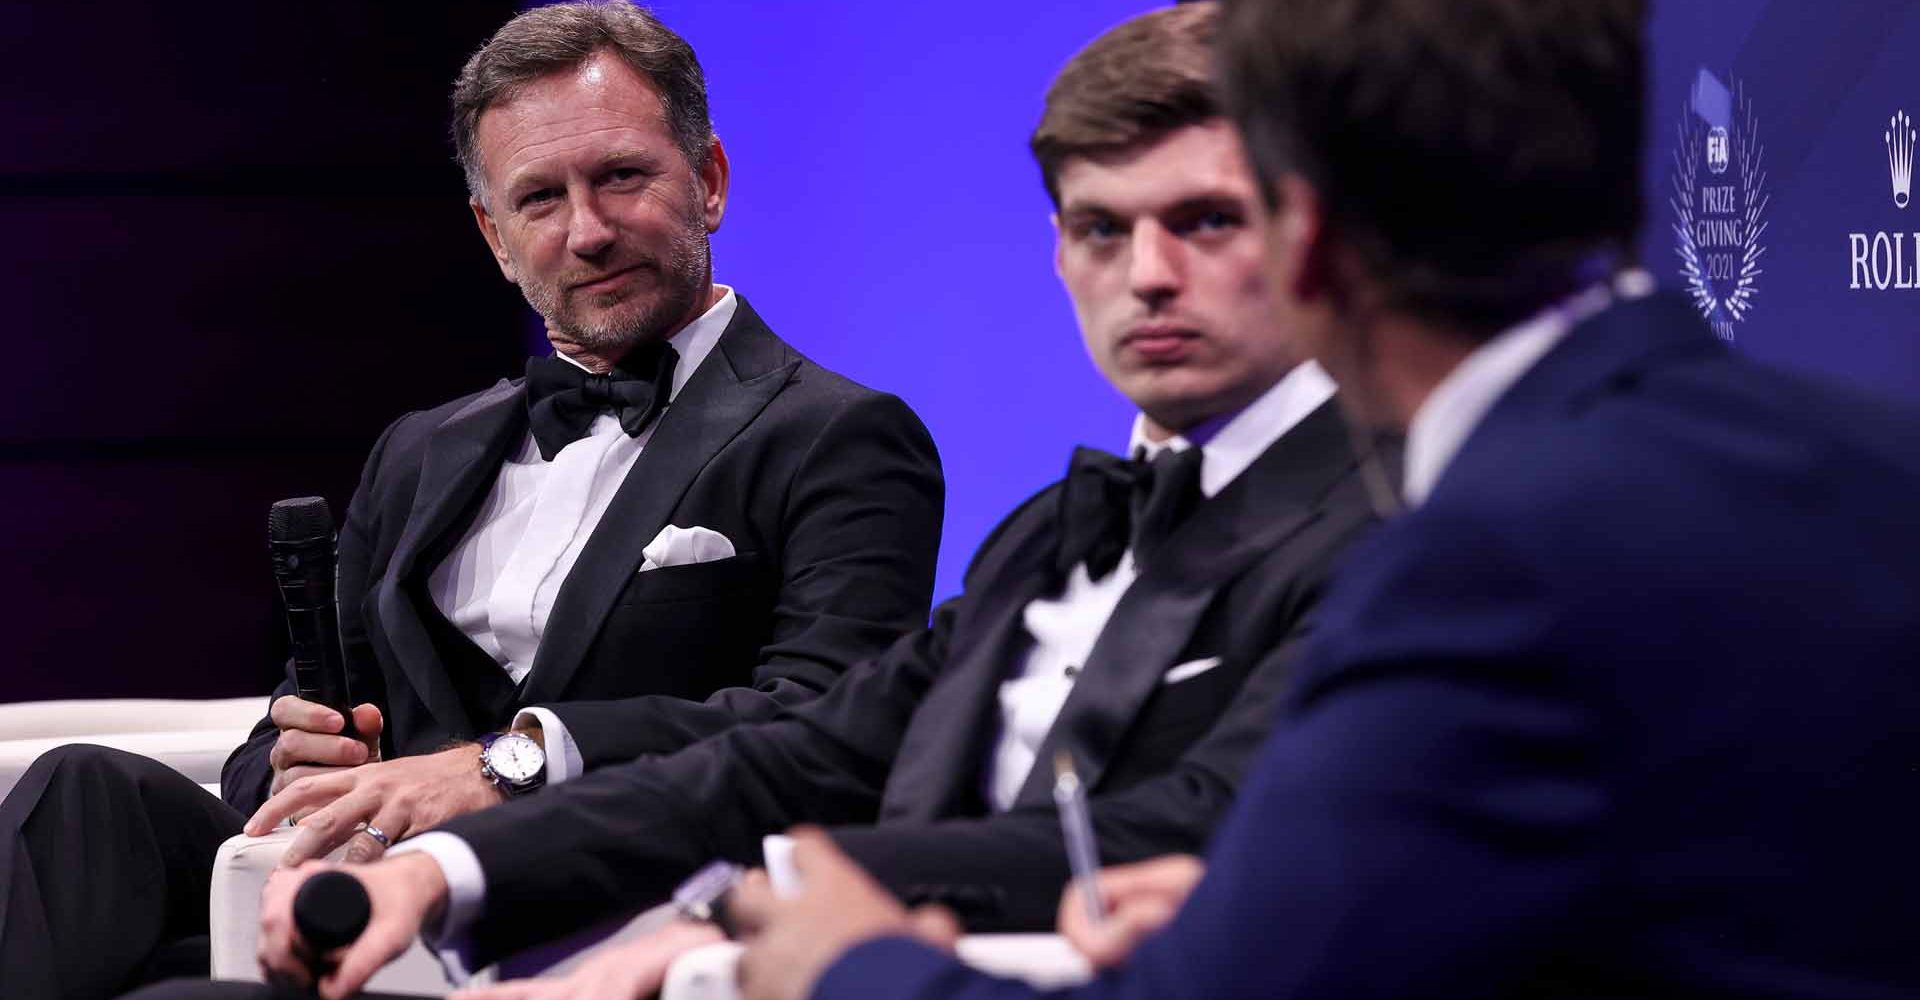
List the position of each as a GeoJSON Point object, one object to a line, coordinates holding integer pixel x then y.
{"type": "Point", "coordinates": [1110, 504]}
{"type": "Point", "coordinates": [563, 398]}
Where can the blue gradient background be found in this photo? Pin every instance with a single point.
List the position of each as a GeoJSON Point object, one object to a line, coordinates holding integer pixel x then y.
{"type": "Point", "coordinates": [887, 219]}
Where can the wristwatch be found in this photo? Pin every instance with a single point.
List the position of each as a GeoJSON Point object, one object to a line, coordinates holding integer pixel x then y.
{"type": "Point", "coordinates": [514, 762]}
{"type": "Point", "coordinates": [703, 897]}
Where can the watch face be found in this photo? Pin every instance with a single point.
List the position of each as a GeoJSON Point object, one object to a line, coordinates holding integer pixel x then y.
{"type": "Point", "coordinates": [516, 759]}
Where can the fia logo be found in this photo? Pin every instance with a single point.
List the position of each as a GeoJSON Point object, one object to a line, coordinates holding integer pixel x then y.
{"type": "Point", "coordinates": [1719, 202]}
{"type": "Point", "coordinates": [1899, 137]}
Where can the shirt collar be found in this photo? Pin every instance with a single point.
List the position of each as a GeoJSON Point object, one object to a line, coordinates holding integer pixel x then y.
{"type": "Point", "coordinates": [694, 341]}
{"type": "Point", "coordinates": [1227, 451]}
{"type": "Point", "coordinates": [1457, 405]}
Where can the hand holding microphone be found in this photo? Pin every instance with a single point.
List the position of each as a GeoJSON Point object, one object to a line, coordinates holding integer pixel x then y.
{"type": "Point", "coordinates": [318, 731]}
{"type": "Point", "coordinates": [331, 927]}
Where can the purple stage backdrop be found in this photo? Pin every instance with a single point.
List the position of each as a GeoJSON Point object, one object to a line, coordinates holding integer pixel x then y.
{"type": "Point", "coordinates": [214, 199]}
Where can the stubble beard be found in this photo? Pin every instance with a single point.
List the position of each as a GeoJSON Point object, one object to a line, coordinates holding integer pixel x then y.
{"type": "Point", "coordinates": [683, 275]}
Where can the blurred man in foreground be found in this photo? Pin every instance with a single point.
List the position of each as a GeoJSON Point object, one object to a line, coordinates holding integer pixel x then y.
{"type": "Point", "coordinates": [1623, 704]}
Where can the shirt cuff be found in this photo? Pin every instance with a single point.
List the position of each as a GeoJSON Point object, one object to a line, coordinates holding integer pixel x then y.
{"type": "Point", "coordinates": [905, 967]}
{"type": "Point", "coordinates": [563, 755]}
{"type": "Point", "coordinates": [446, 934]}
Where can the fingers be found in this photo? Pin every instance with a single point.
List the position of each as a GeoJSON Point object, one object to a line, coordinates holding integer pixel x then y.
{"type": "Point", "coordinates": [367, 723]}
{"type": "Point", "coordinates": [1109, 943]}
{"type": "Point", "coordinates": [281, 779]}
{"type": "Point", "coordinates": [295, 747]}
{"type": "Point", "coordinates": [394, 823]}
{"type": "Point", "coordinates": [307, 793]}
{"type": "Point", "coordinates": [815, 854]}
{"type": "Point", "coordinates": [518, 989]}
{"type": "Point", "coordinates": [379, 944]}
{"type": "Point", "coordinates": [1174, 874]}
{"type": "Point", "coordinates": [281, 959]}
{"type": "Point", "coordinates": [936, 925]}
{"type": "Point", "coordinates": [289, 712]}
{"type": "Point", "coordinates": [751, 902]}
{"type": "Point", "coordinates": [329, 827]}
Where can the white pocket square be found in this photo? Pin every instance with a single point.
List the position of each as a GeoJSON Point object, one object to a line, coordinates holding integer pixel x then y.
{"type": "Point", "coordinates": [1190, 670]}
{"type": "Point", "coordinates": [684, 547]}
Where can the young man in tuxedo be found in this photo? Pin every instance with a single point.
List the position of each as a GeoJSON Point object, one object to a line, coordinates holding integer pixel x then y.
{"type": "Point", "coordinates": [675, 524]}
{"type": "Point", "coordinates": [1623, 704]}
{"type": "Point", "coordinates": [1123, 616]}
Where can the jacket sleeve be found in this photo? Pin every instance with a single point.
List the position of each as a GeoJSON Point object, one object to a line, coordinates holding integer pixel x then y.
{"type": "Point", "coordinates": [248, 773]}
{"type": "Point", "coordinates": [861, 532]}
{"type": "Point", "coordinates": [1005, 872]}
{"type": "Point", "coordinates": [620, 838]}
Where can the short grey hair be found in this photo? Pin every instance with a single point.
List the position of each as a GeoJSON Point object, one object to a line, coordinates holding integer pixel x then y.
{"type": "Point", "coordinates": [553, 39]}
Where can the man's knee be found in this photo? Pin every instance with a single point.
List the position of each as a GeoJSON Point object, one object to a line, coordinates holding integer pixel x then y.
{"type": "Point", "coordinates": [86, 777]}
{"type": "Point", "coordinates": [77, 766]}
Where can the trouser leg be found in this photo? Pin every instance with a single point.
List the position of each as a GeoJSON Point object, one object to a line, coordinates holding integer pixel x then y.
{"type": "Point", "coordinates": [105, 856]}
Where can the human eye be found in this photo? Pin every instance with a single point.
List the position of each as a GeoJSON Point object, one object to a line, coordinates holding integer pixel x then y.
{"type": "Point", "coordinates": [537, 197]}
{"type": "Point", "coordinates": [1209, 221]}
{"type": "Point", "coordinates": [623, 176]}
{"type": "Point", "coordinates": [1096, 228]}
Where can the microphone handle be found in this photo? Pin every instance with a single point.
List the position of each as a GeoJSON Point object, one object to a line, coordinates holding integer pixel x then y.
{"type": "Point", "coordinates": [305, 572]}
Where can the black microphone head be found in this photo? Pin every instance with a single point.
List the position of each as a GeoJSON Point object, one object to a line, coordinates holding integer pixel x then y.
{"type": "Point", "coordinates": [330, 911]}
{"type": "Point", "coordinates": [299, 519]}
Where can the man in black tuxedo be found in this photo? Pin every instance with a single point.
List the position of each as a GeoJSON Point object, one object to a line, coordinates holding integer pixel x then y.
{"type": "Point", "coordinates": [1118, 616]}
{"type": "Point", "coordinates": [675, 524]}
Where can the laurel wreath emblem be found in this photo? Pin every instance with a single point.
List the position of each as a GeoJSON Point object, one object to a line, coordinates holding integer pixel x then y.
{"type": "Point", "coordinates": [1747, 154]}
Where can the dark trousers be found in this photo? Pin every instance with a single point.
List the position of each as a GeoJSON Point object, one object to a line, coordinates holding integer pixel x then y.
{"type": "Point", "coordinates": [105, 862]}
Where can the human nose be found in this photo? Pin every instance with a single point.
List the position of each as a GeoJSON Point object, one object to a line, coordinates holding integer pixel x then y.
{"type": "Point", "coordinates": [588, 232]}
{"type": "Point", "coordinates": [1154, 265]}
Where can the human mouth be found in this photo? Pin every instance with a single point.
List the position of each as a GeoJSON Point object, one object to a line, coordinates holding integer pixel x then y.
{"type": "Point", "coordinates": [1160, 344]}
{"type": "Point", "coordinates": [604, 283]}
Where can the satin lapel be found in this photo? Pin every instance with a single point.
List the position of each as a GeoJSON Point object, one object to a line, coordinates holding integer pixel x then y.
{"type": "Point", "coordinates": [1154, 622]}
{"type": "Point", "coordinates": [748, 367]}
{"type": "Point", "coordinates": [944, 746]}
{"type": "Point", "coordinates": [463, 457]}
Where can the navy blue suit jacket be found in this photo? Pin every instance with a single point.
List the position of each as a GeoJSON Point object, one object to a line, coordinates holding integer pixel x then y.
{"type": "Point", "coordinates": [1630, 707]}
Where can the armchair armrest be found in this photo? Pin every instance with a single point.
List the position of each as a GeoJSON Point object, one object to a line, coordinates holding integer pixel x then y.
{"type": "Point", "coordinates": [240, 871]}
{"type": "Point", "coordinates": [1044, 960]}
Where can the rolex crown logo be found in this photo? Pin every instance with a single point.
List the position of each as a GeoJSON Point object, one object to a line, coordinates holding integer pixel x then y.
{"type": "Point", "coordinates": [1900, 135]}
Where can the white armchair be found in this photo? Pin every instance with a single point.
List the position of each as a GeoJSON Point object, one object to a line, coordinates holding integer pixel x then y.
{"type": "Point", "coordinates": [193, 737]}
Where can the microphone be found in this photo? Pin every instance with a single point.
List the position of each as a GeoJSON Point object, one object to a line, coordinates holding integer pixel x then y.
{"type": "Point", "coordinates": [330, 911]}
{"type": "Point", "coordinates": [300, 537]}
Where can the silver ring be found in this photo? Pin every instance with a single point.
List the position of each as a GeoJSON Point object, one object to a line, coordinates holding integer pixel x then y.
{"type": "Point", "coordinates": [379, 836]}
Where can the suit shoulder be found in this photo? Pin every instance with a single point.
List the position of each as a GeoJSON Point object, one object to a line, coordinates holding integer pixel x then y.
{"type": "Point", "coordinates": [1021, 522]}
{"type": "Point", "coordinates": [406, 437]}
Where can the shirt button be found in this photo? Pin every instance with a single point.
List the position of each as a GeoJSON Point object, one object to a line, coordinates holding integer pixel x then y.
{"type": "Point", "coordinates": [1072, 671]}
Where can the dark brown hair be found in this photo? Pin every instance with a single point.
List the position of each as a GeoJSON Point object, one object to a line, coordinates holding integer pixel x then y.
{"type": "Point", "coordinates": [1481, 156]}
{"type": "Point", "coordinates": [548, 40]}
{"type": "Point", "coordinates": [1147, 76]}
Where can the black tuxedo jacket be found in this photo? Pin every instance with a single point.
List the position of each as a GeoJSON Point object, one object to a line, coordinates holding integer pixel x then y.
{"type": "Point", "coordinates": [893, 755]}
{"type": "Point", "coordinates": [830, 492]}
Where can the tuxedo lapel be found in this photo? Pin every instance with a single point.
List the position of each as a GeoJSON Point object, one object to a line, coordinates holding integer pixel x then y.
{"type": "Point", "coordinates": [1276, 497]}
{"type": "Point", "coordinates": [463, 457]}
{"type": "Point", "coordinates": [943, 746]}
{"type": "Point", "coordinates": [747, 368]}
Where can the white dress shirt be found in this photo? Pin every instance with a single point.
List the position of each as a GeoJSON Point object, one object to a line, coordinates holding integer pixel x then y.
{"type": "Point", "coordinates": [1065, 627]}
{"type": "Point", "coordinates": [498, 584]}
{"type": "Point", "coordinates": [1456, 406]}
